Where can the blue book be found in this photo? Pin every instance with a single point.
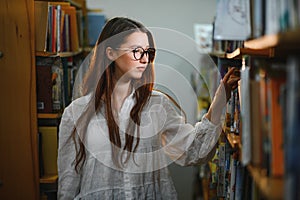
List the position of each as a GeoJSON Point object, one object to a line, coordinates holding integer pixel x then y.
{"type": "Point", "coordinates": [96, 22]}
{"type": "Point", "coordinates": [292, 147]}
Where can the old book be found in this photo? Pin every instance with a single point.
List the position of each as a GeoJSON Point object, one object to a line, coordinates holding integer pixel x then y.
{"type": "Point", "coordinates": [44, 88]}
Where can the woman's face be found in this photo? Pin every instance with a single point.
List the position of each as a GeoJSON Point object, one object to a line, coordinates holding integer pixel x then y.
{"type": "Point", "coordinates": [127, 66]}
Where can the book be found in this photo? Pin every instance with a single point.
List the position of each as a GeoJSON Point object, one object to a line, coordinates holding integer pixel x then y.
{"type": "Point", "coordinates": [245, 115]}
{"type": "Point", "coordinates": [49, 149]}
{"type": "Point", "coordinates": [44, 88]}
{"type": "Point", "coordinates": [73, 33]}
{"type": "Point", "coordinates": [221, 171]}
{"type": "Point", "coordinates": [265, 163]}
{"type": "Point", "coordinates": [258, 18]}
{"type": "Point", "coordinates": [256, 125]}
{"type": "Point", "coordinates": [233, 174]}
{"type": "Point", "coordinates": [49, 84]}
{"type": "Point", "coordinates": [276, 127]}
{"type": "Point", "coordinates": [239, 181]}
{"type": "Point", "coordinates": [292, 147]}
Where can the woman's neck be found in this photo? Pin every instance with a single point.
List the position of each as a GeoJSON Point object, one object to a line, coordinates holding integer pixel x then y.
{"type": "Point", "coordinates": [121, 90]}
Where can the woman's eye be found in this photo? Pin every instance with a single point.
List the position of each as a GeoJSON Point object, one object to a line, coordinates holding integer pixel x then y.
{"type": "Point", "coordinates": [138, 50]}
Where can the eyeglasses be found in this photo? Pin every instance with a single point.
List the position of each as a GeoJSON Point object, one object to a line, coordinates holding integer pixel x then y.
{"type": "Point", "coordinates": [139, 52]}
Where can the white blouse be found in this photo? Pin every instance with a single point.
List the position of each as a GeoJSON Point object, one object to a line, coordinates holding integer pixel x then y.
{"type": "Point", "coordinates": [164, 138]}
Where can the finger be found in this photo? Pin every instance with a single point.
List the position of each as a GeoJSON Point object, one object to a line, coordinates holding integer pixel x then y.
{"type": "Point", "coordinates": [228, 74]}
{"type": "Point", "coordinates": [232, 81]}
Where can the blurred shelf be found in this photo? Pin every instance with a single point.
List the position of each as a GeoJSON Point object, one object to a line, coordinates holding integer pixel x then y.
{"type": "Point", "coordinates": [284, 43]}
{"type": "Point", "coordinates": [60, 54]}
{"type": "Point", "coordinates": [49, 178]}
{"type": "Point", "coordinates": [48, 115]}
{"type": "Point", "coordinates": [240, 52]}
{"type": "Point", "coordinates": [271, 188]}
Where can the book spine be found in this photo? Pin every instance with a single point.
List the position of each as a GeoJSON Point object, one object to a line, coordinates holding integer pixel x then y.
{"type": "Point", "coordinates": [58, 28]}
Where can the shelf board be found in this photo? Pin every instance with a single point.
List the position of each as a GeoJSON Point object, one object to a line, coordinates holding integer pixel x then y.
{"type": "Point", "coordinates": [271, 188]}
{"type": "Point", "coordinates": [48, 115]}
{"type": "Point", "coordinates": [49, 178]}
{"type": "Point", "coordinates": [60, 54]}
{"type": "Point", "coordinates": [240, 52]}
{"type": "Point", "coordinates": [45, 54]}
{"type": "Point", "coordinates": [285, 42]}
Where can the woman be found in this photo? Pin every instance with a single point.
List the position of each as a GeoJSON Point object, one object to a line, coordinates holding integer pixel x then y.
{"type": "Point", "coordinates": [116, 141]}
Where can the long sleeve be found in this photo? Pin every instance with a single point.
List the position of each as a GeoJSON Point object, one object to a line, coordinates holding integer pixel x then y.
{"type": "Point", "coordinates": [68, 179]}
{"type": "Point", "coordinates": [187, 144]}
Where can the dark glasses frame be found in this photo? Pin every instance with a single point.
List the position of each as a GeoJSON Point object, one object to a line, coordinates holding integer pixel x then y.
{"type": "Point", "coordinates": [150, 52]}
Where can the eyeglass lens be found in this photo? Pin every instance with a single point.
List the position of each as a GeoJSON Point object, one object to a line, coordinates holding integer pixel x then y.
{"type": "Point", "coordinates": [139, 53]}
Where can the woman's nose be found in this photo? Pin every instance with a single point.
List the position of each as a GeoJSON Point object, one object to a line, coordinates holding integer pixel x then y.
{"type": "Point", "coordinates": [144, 58]}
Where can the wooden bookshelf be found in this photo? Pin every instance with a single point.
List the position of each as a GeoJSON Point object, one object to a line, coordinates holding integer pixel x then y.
{"type": "Point", "coordinates": [271, 188]}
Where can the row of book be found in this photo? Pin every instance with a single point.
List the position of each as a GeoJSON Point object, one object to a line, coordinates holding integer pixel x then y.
{"type": "Point", "coordinates": [55, 80]}
{"type": "Point", "coordinates": [258, 113]}
{"type": "Point", "coordinates": [58, 27]}
{"type": "Point", "coordinates": [228, 178]}
{"type": "Point", "coordinates": [272, 17]}
{"type": "Point", "coordinates": [262, 117]}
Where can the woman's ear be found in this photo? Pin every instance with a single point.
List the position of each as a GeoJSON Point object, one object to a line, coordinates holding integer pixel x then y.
{"type": "Point", "coordinates": [110, 53]}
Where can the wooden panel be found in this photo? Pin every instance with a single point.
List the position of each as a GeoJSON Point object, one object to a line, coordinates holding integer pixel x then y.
{"type": "Point", "coordinates": [18, 123]}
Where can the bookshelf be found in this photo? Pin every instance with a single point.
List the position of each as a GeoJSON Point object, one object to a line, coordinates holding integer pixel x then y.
{"type": "Point", "coordinates": [267, 142]}
{"type": "Point", "coordinates": [269, 187]}
{"type": "Point", "coordinates": [61, 50]}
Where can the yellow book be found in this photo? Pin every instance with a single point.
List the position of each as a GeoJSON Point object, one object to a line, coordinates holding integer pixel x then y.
{"type": "Point", "coordinates": [49, 148]}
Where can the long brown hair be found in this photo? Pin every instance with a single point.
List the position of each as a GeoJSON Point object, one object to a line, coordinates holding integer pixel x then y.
{"type": "Point", "coordinates": [102, 69]}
